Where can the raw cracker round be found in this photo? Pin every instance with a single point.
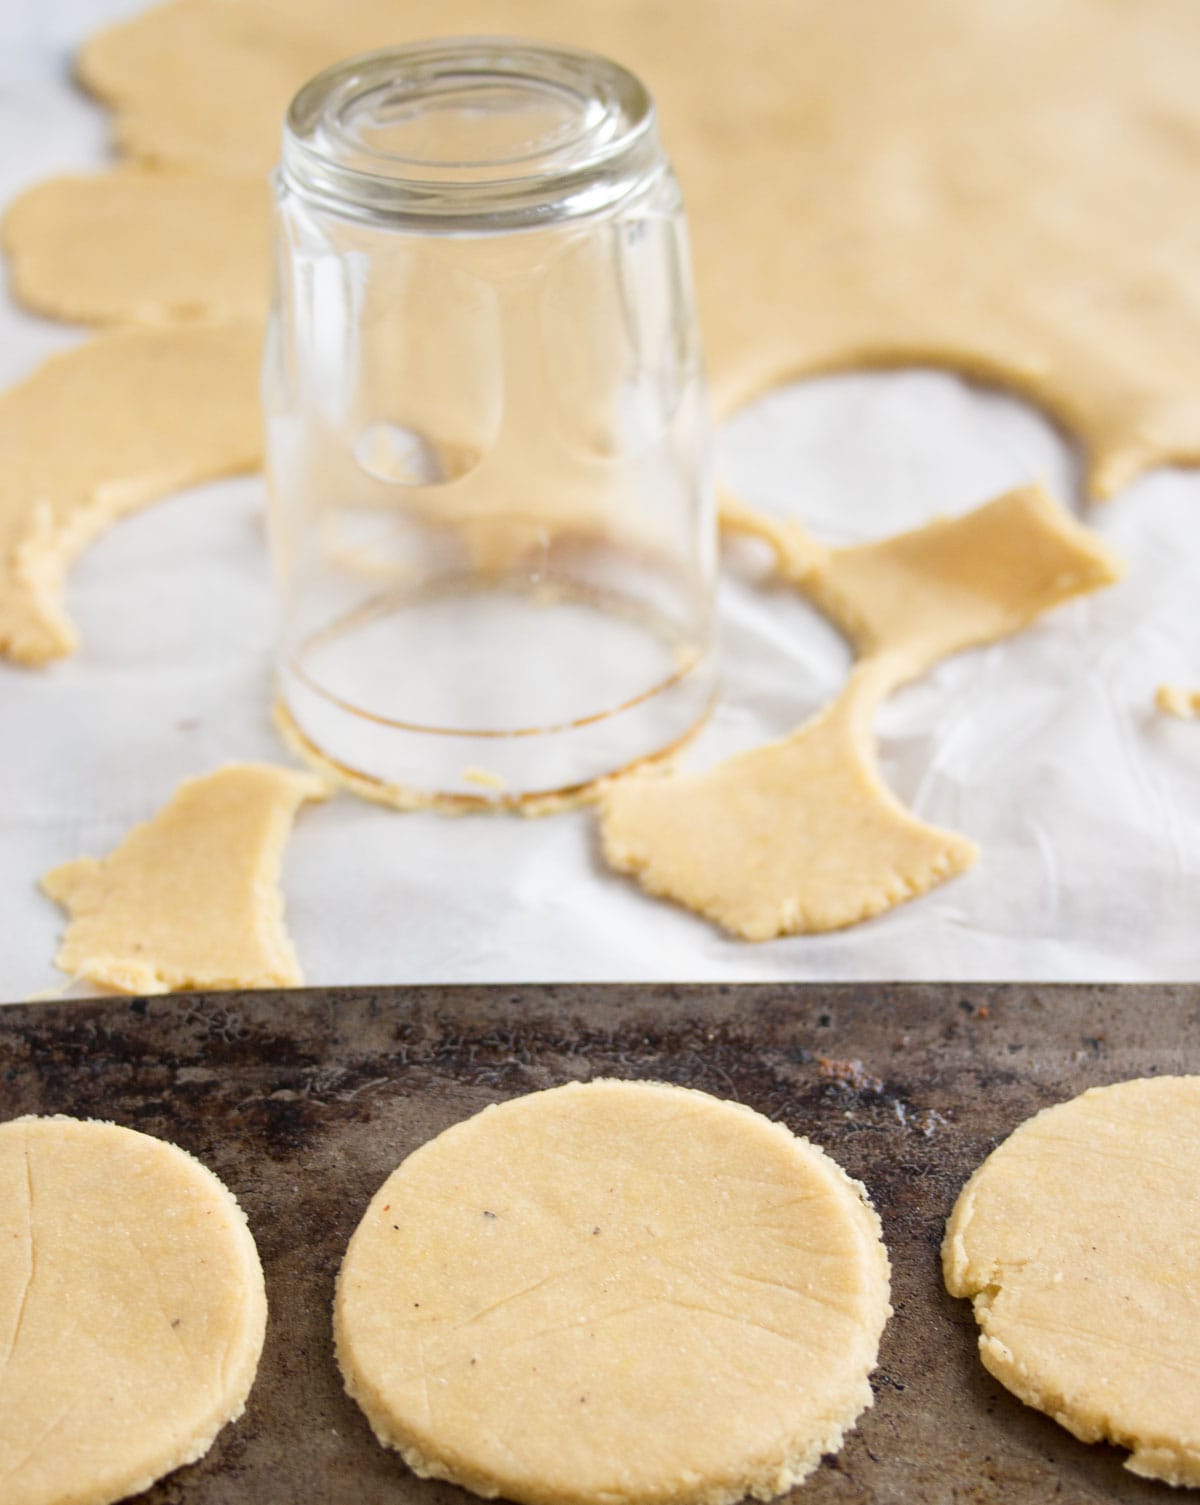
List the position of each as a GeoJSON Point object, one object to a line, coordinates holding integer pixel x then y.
{"type": "Point", "coordinates": [1079, 1242]}
{"type": "Point", "coordinates": [132, 1311]}
{"type": "Point", "coordinates": [615, 1292]}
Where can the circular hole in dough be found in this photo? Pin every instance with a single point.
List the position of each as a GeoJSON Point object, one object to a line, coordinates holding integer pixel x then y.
{"type": "Point", "coordinates": [132, 1310]}
{"type": "Point", "coordinates": [885, 451]}
{"type": "Point", "coordinates": [618, 1291]}
{"type": "Point", "coordinates": [1079, 1242]}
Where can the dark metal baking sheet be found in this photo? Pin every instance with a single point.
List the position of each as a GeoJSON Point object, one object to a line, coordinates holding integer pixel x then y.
{"type": "Point", "coordinates": [303, 1102]}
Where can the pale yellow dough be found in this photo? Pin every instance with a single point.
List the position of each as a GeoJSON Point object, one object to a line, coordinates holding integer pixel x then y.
{"type": "Point", "coordinates": [849, 205]}
{"type": "Point", "coordinates": [1005, 189]}
{"type": "Point", "coordinates": [797, 835]}
{"type": "Point", "coordinates": [132, 1311]}
{"type": "Point", "coordinates": [802, 834]}
{"type": "Point", "coordinates": [99, 431]}
{"type": "Point", "coordinates": [954, 583]}
{"type": "Point", "coordinates": [134, 246]}
{"type": "Point", "coordinates": [614, 1292]}
{"type": "Point", "coordinates": [191, 898]}
{"type": "Point", "coordinates": [1079, 1242]}
{"type": "Point", "coordinates": [1174, 700]}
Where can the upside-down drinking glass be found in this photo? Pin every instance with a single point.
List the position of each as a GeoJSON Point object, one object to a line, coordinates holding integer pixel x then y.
{"type": "Point", "coordinates": [487, 425]}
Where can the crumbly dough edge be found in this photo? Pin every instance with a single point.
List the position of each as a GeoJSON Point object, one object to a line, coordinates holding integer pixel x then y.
{"type": "Point", "coordinates": [1152, 1458]}
{"type": "Point", "coordinates": [958, 856]}
{"type": "Point", "coordinates": [35, 626]}
{"type": "Point", "coordinates": [764, 1480]}
{"type": "Point", "coordinates": [255, 1311]}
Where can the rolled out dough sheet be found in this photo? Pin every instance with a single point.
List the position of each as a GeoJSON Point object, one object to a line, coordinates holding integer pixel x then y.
{"type": "Point", "coordinates": [190, 898]}
{"type": "Point", "coordinates": [1078, 1241]}
{"type": "Point", "coordinates": [614, 1292]}
{"type": "Point", "coordinates": [1008, 190]}
{"type": "Point", "coordinates": [132, 1311]}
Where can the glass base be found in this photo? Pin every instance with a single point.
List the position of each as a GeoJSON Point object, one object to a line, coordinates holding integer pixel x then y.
{"type": "Point", "coordinates": [494, 693]}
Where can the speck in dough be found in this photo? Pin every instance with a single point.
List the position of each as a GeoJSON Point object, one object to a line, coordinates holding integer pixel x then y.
{"type": "Point", "coordinates": [622, 1291]}
{"type": "Point", "coordinates": [1079, 1242]}
{"type": "Point", "coordinates": [132, 1311]}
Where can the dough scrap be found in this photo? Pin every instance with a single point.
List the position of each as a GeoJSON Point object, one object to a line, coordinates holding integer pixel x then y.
{"type": "Point", "coordinates": [622, 1291]}
{"type": "Point", "coordinates": [1006, 191]}
{"type": "Point", "coordinates": [798, 835]}
{"type": "Point", "coordinates": [190, 899]}
{"type": "Point", "coordinates": [134, 246]}
{"type": "Point", "coordinates": [1174, 700]}
{"type": "Point", "coordinates": [99, 431]}
{"type": "Point", "coordinates": [802, 834]}
{"type": "Point", "coordinates": [954, 583]}
{"type": "Point", "coordinates": [1079, 1242]}
{"type": "Point", "coordinates": [132, 1311]}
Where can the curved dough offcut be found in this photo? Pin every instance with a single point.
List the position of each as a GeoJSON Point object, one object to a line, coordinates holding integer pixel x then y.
{"type": "Point", "coordinates": [132, 1311]}
{"type": "Point", "coordinates": [190, 899]}
{"type": "Point", "coordinates": [1007, 190]}
{"type": "Point", "coordinates": [102, 429]}
{"type": "Point", "coordinates": [615, 1292]}
{"type": "Point", "coordinates": [141, 247]}
{"type": "Point", "coordinates": [954, 583]}
{"type": "Point", "coordinates": [797, 835]}
{"type": "Point", "coordinates": [802, 834]}
{"type": "Point", "coordinates": [1079, 1242]}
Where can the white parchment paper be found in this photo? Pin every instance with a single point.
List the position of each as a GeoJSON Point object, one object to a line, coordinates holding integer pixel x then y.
{"type": "Point", "coordinates": [1046, 749]}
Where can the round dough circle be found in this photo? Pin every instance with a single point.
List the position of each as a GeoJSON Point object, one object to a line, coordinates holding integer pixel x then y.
{"type": "Point", "coordinates": [622, 1291]}
{"type": "Point", "coordinates": [1079, 1240]}
{"type": "Point", "coordinates": [132, 1310]}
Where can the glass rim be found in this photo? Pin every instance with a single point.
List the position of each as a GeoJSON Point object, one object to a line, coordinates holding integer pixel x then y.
{"type": "Point", "coordinates": [605, 146]}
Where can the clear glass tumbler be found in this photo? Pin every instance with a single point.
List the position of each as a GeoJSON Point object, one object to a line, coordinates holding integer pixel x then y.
{"type": "Point", "coordinates": [487, 424]}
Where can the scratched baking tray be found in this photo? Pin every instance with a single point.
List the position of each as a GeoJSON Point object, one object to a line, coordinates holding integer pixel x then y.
{"type": "Point", "coordinates": [303, 1101]}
